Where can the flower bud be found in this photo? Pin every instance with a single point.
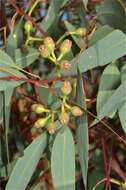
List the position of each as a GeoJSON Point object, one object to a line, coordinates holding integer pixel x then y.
{"type": "Point", "coordinates": [52, 128]}
{"type": "Point", "coordinates": [41, 122]}
{"type": "Point", "coordinates": [65, 65]}
{"type": "Point", "coordinates": [76, 111]}
{"type": "Point", "coordinates": [28, 26]}
{"type": "Point", "coordinates": [66, 46]}
{"type": "Point", "coordinates": [45, 53]}
{"type": "Point", "coordinates": [39, 108]}
{"type": "Point", "coordinates": [66, 88]}
{"type": "Point", "coordinates": [81, 31]}
{"type": "Point", "coordinates": [49, 44]}
{"type": "Point", "coordinates": [64, 118]}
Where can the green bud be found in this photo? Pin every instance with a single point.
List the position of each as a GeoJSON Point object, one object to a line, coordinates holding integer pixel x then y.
{"type": "Point", "coordinates": [45, 53]}
{"type": "Point", "coordinates": [65, 46]}
{"type": "Point", "coordinates": [39, 108]}
{"type": "Point", "coordinates": [28, 26]}
{"type": "Point", "coordinates": [49, 43]}
{"type": "Point", "coordinates": [81, 31]}
{"type": "Point", "coordinates": [66, 88]}
{"type": "Point", "coordinates": [41, 122]}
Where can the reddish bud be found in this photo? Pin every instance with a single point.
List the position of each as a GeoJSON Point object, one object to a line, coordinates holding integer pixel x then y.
{"type": "Point", "coordinates": [64, 118]}
{"type": "Point", "coordinates": [66, 87]}
{"type": "Point", "coordinates": [76, 111]}
{"type": "Point", "coordinates": [66, 46]}
{"type": "Point", "coordinates": [65, 65]}
{"type": "Point", "coordinates": [45, 53]}
{"type": "Point", "coordinates": [49, 44]}
{"type": "Point", "coordinates": [52, 128]}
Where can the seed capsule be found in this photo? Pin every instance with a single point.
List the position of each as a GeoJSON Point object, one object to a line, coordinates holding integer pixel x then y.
{"type": "Point", "coordinates": [66, 88]}
{"type": "Point", "coordinates": [49, 44]}
{"type": "Point", "coordinates": [64, 118]}
{"type": "Point", "coordinates": [76, 111]}
{"type": "Point", "coordinates": [66, 46]}
{"type": "Point", "coordinates": [45, 53]}
{"type": "Point", "coordinates": [52, 128]}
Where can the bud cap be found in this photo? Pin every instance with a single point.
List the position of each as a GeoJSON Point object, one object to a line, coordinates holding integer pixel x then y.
{"type": "Point", "coordinates": [76, 111]}
{"type": "Point", "coordinates": [45, 53]}
{"type": "Point", "coordinates": [64, 118]}
{"type": "Point", "coordinates": [66, 46]}
{"type": "Point", "coordinates": [66, 88]}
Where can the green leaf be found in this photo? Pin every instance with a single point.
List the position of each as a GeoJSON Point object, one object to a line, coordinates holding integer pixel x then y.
{"type": "Point", "coordinates": [82, 132]}
{"type": "Point", "coordinates": [15, 40]}
{"type": "Point", "coordinates": [63, 160]}
{"type": "Point", "coordinates": [106, 89]}
{"type": "Point", "coordinates": [26, 165]}
{"type": "Point", "coordinates": [110, 48]}
{"type": "Point", "coordinates": [53, 13]}
{"type": "Point", "coordinates": [78, 40]}
{"type": "Point", "coordinates": [112, 12]}
{"type": "Point", "coordinates": [8, 68]}
{"type": "Point", "coordinates": [114, 101]}
{"type": "Point", "coordinates": [24, 60]}
{"type": "Point", "coordinates": [7, 108]}
{"type": "Point", "coordinates": [122, 108]}
{"type": "Point", "coordinates": [100, 33]}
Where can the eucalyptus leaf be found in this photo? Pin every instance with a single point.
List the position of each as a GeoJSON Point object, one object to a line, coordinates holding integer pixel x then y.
{"type": "Point", "coordinates": [122, 108]}
{"type": "Point", "coordinates": [113, 13]}
{"type": "Point", "coordinates": [100, 33]}
{"type": "Point", "coordinates": [23, 60]}
{"type": "Point", "coordinates": [82, 131]}
{"type": "Point", "coordinates": [53, 13]}
{"type": "Point", "coordinates": [106, 50]}
{"type": "Point", "coordinates": [106, 89]}
{"type": "Point", "coordinates": [114, 102]}
{"type": "Point", "coordinates": [63, 160]}
{"type": "Point", "coordinates": [26, 165]}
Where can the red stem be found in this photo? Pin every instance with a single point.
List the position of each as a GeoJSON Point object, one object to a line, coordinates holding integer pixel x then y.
{"type": "Point", "coordinates": [21, 12]}
{"type": "Point", "coordinates": [108, 185]}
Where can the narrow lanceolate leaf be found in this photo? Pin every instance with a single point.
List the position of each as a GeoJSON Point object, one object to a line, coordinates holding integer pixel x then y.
{"type": "Point", "coordinates": [100, 33]}
{"type": "Point", "coordinates": [53, 13]}
{"type": "Point", "coordinates": [8, 68]}
{"type": "Point", "coordinates": [106, 50]}
{"type": "Point", "coordinates": [26, 59]}
{"type": "Point", "coordinates": [63, 160]}
{"type": "Point", "coordinates": [114, 101]}
{"type": "Point", "coordinates": [26, 165]}
{"type": "Point", "coordinates": [82, 132]}
{"type": "Point", "coordinates": [122, 108]}
{"type": "Point", "coordinates": [106, 89]}
{"type": "Point", "coordinates": [112, 12]}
